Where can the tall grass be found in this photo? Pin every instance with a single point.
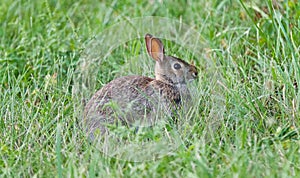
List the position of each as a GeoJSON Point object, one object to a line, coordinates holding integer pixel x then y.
{"type": "Point", "coordinates": [246, 124]}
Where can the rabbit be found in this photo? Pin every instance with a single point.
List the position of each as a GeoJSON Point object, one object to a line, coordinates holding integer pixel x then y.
{"type": "Point", "coordinates": [137, 99]}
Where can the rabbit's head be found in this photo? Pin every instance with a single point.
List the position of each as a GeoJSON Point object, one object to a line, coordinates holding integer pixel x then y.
{"type": "Point", "coordinates": [168, 68]}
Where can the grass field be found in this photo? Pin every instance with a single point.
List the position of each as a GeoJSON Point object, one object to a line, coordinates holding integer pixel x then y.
{"type": "Point", "coordinates": [253, 131]}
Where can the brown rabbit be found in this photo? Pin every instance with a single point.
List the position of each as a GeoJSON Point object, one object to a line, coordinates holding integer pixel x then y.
{"type": "Point", "coordinates": [135, 99]}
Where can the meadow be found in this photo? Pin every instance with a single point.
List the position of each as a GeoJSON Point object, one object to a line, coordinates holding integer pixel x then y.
{"type": "Point", "coordinates": [245, 121]}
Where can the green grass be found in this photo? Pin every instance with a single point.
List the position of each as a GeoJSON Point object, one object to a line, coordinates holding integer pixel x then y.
{"type": "Point", "coordinates": [246, 124]}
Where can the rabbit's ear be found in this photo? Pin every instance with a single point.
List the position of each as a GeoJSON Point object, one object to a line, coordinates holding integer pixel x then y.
{"type": "Point", "coordinates": [155, 47]}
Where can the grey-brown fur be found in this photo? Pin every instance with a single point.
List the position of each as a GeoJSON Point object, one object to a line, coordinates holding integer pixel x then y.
{"type": "Point", "coordinates": [130, 99]}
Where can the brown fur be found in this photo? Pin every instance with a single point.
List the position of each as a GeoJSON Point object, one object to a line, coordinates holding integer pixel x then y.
{"type": "Point", "coordinates": [131, 99]}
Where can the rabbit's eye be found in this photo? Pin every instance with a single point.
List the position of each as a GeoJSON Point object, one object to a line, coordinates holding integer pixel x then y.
{"type": "Point", "coordinates": [195, 74]}
{"type": "Point", "coordinates": [177, 66]}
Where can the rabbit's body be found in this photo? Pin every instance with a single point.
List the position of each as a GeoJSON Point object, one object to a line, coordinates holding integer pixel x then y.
{"type": "Point", "coordinates": [132, 99]}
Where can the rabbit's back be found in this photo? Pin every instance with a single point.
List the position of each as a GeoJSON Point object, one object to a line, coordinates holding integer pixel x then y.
{"type": "Point", "coordinates": [129, 99]}
{"type": "Point", "coordinates": [120, 91]}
